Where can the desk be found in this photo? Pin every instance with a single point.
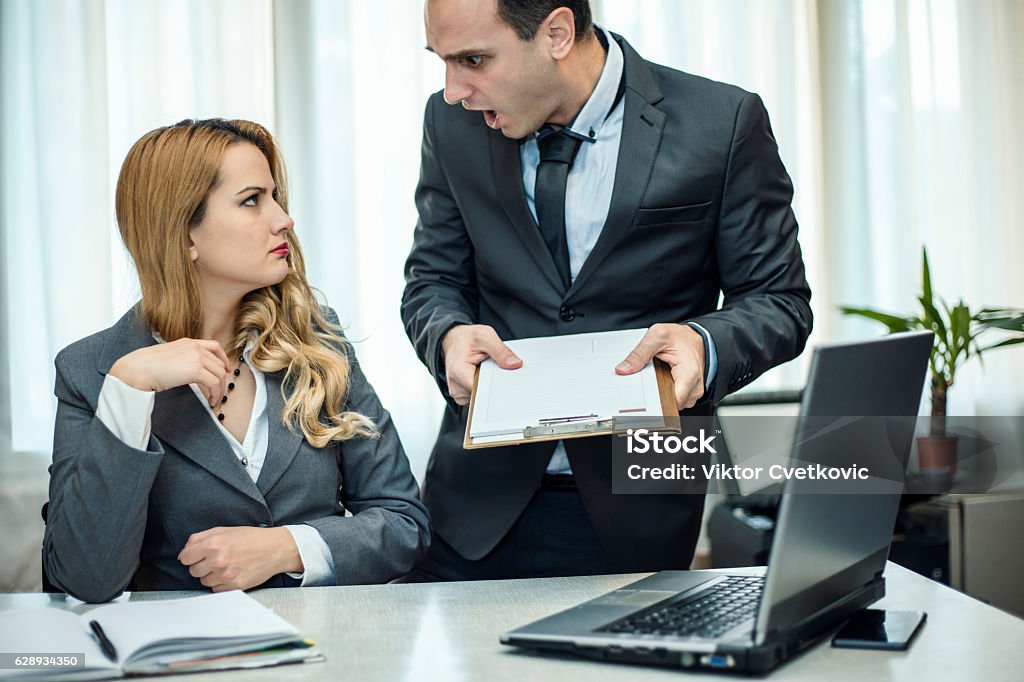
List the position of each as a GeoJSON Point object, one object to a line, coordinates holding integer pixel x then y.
{"type": "Point", "coordinates": [449, 632]}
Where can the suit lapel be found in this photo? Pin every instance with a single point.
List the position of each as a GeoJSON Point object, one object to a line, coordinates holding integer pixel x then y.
{"type": "Point", "coordinates": [642, 128]}
{"type": "Point", "coordinates": [283, 443]}
{"type": "Point", "coordinates": [180, 420]}
{"type": "Point", "coordinates": [507, 170]}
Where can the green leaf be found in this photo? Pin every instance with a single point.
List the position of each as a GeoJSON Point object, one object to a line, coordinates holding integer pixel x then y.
{"type": "Point", "coordinates": [895, 323]}
{"type": "Point", "coordinates": [1014, 324]}
{"type": "Point", "coordinates": [960, 323]}
{"type": "Point", "coordinates": [933, 320]}
{"type": "Point", "coordinates": [926, 279]}
{"type": "Point", "coordinates": [1007, 342]}
{"type": "Point", "coordinates": [988, 320]}
{"type": "Point", "coordinates": [1009, 312]}
{"type": "Point", "coordinates": [950, 317]}
{"type": "Point", "coordinates": [961, 319]}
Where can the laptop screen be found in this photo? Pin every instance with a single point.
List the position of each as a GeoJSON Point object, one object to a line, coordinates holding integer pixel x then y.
{"type": "Point", "coordinates": [829, 544]}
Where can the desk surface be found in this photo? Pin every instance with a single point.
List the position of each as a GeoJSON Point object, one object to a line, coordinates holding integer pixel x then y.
{"type": "Point", "coordinates": [449, 631]}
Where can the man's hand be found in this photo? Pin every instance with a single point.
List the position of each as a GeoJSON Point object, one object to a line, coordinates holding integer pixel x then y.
{"type": "Point", "coordinates": [240, 557]}
{"type": "Point", "coordinates": [682, 348]}
{"type": "Point", "coordinates": [465, 347]}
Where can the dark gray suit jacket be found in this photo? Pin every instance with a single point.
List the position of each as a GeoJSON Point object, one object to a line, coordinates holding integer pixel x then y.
{"type": "Point", "coordinates": [119, 515]}
{"type": "Point", "coordinates": [701, 206]}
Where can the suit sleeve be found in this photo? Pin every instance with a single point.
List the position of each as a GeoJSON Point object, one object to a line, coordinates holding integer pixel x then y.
{"type": "Point", "coordinates": [389, 530]}
{"type": "Point", "coordinates": [440, 290]}
{"type": "Point", "coordinates": [99, 496]}
{"type": "Point", "coordinates": [765, 317]}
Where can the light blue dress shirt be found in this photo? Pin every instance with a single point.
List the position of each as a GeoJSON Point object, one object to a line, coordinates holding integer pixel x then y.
{"type": "Point", "coordinates": [588, 190]}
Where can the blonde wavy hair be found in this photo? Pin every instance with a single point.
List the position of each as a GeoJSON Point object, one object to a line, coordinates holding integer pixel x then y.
{"type": "Point", "coordinates": [161, 193]}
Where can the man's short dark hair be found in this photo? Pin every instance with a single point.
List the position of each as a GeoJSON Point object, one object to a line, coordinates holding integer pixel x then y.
{"type": "Point", "coordinates": [525, 16]}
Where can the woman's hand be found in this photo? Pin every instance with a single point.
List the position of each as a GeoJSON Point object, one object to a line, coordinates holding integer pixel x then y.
{"type": "Point", "coordinates": [185, 361]}
{"type": "Point", "coordinates": [240, 557]}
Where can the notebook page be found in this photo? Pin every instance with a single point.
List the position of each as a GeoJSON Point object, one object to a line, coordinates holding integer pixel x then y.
{"type": "Point", "coordinates": [234, 615]}
{"type": "Point", "coordinates": [563, 376]}
{"type": "Point", "coordinates": [50, 631]}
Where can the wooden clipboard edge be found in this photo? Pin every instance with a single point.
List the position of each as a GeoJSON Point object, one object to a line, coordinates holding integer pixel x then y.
{"type": "Point", "coordinates": [467, 442]}
{"type": "Point", "coordinates": [666, 393]}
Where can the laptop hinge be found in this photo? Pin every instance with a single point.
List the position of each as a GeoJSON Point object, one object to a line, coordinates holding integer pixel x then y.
{"type": "Point", "coordinates": [834, 607]}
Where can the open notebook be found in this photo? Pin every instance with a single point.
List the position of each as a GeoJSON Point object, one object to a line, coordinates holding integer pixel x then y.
{"type": "Point", "coordinates": [210, 632]}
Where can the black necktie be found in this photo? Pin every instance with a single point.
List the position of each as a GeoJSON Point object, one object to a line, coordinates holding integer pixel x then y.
{"type": "Point", "coordinates": [557, 151]}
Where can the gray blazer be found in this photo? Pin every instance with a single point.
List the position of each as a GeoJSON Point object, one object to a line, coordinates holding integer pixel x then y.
{"type": "Point", "coordinates": [700, 207]}
{"type": "Point", "coordinates": [119, 516]}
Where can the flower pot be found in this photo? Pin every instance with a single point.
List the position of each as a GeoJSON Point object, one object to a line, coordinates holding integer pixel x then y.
{"type": "Point", "coordinates": [937, 453]}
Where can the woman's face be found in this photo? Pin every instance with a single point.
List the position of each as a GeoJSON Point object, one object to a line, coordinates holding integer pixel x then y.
{"type": "Point", "coordinates": [241, 243]}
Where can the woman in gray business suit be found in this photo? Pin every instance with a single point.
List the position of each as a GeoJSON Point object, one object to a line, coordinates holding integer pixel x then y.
{"type": "Point", "coordinates": [202, 441]}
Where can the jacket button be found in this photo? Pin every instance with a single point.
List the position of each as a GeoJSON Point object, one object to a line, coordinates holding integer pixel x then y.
{"type": "Point", "coordinates": [567, 313]}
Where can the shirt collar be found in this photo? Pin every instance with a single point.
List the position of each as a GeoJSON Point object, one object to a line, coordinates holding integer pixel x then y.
{"type": "Point", "coordinates": [592, 116]}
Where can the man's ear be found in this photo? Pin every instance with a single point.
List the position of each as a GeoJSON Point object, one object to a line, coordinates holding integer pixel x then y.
{"type": "Point", "coordinates": [560, 30]}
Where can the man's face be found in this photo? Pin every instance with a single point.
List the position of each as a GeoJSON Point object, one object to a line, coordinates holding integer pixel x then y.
{"type": "Point", "coordinates": [489, 69]}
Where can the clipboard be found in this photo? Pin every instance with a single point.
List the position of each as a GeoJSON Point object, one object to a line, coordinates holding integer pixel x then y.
{"type": "Point", "coordinates": [581, 426]}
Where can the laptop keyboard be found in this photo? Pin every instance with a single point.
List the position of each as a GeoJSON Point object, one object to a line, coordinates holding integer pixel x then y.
{"type": "Point", "coordinates": [707, 614]}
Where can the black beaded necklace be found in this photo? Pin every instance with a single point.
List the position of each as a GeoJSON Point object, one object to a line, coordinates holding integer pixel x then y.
{"type": "Point", "coordinates": [231, 387]}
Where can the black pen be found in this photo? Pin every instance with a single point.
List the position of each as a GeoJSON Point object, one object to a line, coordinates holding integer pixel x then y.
{"type": "Point", "coordinates": [105, 644]}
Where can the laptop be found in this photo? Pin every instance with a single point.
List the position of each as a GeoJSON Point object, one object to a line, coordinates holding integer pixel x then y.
{"type": "Point", "coordinates": [826, 560]}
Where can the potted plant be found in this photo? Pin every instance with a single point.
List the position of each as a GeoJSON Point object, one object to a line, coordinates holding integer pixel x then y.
{"type": "Point", "coordinates": [957, 333]}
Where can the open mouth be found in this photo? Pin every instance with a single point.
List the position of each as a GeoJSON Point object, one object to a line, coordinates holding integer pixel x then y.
{"type": "Point", "coordinates": [491, 118]}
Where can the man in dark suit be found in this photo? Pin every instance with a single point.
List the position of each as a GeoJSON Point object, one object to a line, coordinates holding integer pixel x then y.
{"type": "Point", "coordinates": [579, 188]}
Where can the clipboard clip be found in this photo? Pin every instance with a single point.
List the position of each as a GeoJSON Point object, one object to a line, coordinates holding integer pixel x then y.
{"type": "Point", "coordinates": [567, 426]}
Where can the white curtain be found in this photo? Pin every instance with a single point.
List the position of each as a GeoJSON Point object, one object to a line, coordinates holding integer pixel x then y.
{"type": "Point", "coordinates": [923, 108]}
{"type": "Point", "coordinates": [83, 80]}
{"type": "Point", "coordinates": [899, 121]}
{"type": "Point", "coordinates": [352, 81]}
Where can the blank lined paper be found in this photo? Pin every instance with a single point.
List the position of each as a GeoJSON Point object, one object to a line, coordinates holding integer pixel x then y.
{"type": "Point", "coordinates": [562, 377]}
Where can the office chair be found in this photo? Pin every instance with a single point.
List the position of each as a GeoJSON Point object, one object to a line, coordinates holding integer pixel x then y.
{"type": "Point", "coordinates": [741, 527]}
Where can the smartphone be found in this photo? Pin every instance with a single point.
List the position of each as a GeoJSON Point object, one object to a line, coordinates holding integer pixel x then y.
{"type": "Point", "coordinates": [877, 629]}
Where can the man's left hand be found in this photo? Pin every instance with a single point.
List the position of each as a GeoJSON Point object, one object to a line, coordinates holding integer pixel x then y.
{"type": "Point", "coordinates": [682, 348]}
